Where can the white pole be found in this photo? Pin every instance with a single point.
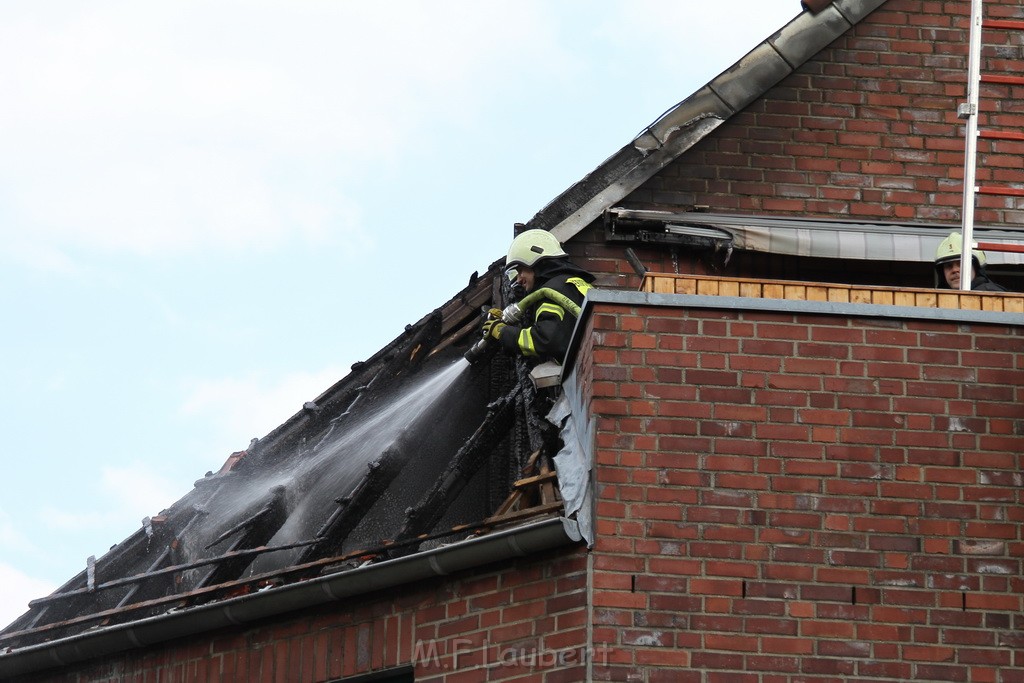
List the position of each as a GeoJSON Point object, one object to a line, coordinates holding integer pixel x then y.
{"type": "Point", "coordinates": [970, 145]}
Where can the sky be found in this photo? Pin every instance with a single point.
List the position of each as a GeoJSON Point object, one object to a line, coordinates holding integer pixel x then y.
{"type": "Point", "coordinates": [210, 210]}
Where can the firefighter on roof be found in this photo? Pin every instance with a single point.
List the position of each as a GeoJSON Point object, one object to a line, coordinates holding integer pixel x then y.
{"type": "Point", "coordinates": [540, 325]}
{"type": "Point", "coordinates": [947, 266]}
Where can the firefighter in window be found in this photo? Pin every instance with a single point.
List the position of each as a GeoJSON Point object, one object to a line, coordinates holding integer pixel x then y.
{"type": "Point", "coordinates": [947, 266]}
{"type": "Point", "coordinates": [540, 325]}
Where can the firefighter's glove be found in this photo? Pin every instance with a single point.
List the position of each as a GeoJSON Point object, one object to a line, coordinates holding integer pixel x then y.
{"type": "Point", "coordinates": [494, 314]}
{"type": "Point", "coordinates": [493, 327]}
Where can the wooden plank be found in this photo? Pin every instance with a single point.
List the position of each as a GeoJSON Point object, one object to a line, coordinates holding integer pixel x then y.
{"type": "Point", "coordinates": [1013, 304]}
{"type": "Point", "coordinates": [902, 298]}
{"type": "Point", "coordinates": [970, 302]}
{"type": "Point", "coordinates": [795, 292]}
{"type": "Point", "coordinates": [860, 296]}
{"type": "Point", "coordinates": [509, 503]}
{"type": "Point", "coordinates": [523, 514]}
{"type": "Point", "coordinates": [548, 475]}
{"type": "Point", "coordinates": [707, 287]}
{"type": "Point", "coordinates": [881, 297]}
{"type": "Point", "coordinates": [991, 303]}
{"type": "Point", "coordinates": [686, 286]}
{"type": "Point", "coordinates": [751, 289]}
{"type": "Point", "coordinates": [817, 293]}
{"type": "Point", "coordinates": [531, 462]}
{"type": "Point", "coordinates": [547, 488]}
{"type": "Point", "coordinates": [664, 285]}
{"type": "Point", "coordinates": [839, 294]}
{"type": "Point", "coordinates": [729, 288]}
{"type": "Point", "coordinates": [833, 292]}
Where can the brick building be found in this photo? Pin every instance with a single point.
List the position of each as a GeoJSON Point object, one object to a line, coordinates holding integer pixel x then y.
{"type": "Point", "coordinates": [788, 457]}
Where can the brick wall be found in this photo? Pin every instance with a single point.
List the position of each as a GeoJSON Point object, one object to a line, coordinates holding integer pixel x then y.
{"type": "Point", "coordinates": [525, 622]}
{"type": "Point", "coordinates": [790, 497]}
{"type": "Point", "coordinates": [867, 129]}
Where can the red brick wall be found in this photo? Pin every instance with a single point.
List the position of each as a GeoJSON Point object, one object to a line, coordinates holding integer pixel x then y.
{"type": "Point", "coordinates": [792, 497]}
{"type": "Point", "coordinates": [503, 624]}
{"type": "Point", "coordinates": [866, 129]}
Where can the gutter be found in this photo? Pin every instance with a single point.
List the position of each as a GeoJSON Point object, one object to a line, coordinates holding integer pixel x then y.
{"type": "Point", "coordinates": [546, 534]}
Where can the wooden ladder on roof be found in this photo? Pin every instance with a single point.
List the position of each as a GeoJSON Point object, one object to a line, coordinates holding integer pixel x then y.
{"type": "Point", "coordinates": [970, 111]}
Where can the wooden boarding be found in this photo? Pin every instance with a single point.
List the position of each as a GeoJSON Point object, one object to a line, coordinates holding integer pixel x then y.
{"type": "Point", "coordinates": [531, 496]}
{"type": "Point", "coordinates": [663, 283]}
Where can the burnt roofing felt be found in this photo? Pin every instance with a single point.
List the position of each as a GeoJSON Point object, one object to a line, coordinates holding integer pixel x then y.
{"type": "Point", "coordinates": [403, 469]}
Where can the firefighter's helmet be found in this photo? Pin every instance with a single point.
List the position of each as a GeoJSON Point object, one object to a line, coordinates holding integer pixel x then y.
{"type": "Point", "coordinates": [951, 248]}
{"type": "Point", "coordinates": [532, 246]}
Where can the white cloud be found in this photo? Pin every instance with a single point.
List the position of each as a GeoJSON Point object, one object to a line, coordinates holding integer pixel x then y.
{"type": "Point", "coordinates": [137, 127]}
{"type": "Point", "coordinates": [16, 588]}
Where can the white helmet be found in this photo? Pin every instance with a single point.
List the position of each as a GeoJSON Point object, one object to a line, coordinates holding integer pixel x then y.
{"type": "Point", "coordinates": [532, 246]}
{"type": "Point", "coordinates": [951, 248]}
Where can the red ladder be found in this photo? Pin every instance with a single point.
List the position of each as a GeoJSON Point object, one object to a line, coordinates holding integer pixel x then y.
{"type": "Point", "coordinates": [1002, 79]}
{"type": "Point", "coordinates": [969, 110]}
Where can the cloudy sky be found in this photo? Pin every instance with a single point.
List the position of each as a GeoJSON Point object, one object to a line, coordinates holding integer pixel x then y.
{"type": "Point", "coordinates": [210, 210]}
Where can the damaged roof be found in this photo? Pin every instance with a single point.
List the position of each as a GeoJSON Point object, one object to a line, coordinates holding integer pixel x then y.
{"type": "Point", "coordinates": [693, 119]}
{"type": "Point", "coordinates": [412, 453]}
{"type": "Point", "coordinates": [397, 471]}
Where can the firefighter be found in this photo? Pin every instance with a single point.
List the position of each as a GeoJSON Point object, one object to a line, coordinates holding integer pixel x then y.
{"type": "Point", "coordinates": [554, 288]}
{"type": "Point", "coordinates": [947, 266]}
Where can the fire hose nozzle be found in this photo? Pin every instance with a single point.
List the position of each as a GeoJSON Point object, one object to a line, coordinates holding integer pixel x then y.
{"type": "Point", "coordinates": [512, 315]}
{"type": "Point", "coordinates": [481, 350]}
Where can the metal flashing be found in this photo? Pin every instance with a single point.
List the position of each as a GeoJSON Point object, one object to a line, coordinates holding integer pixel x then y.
{"type": "Point", "coordinates": [855, 10]}
{"type": "Point", "coordinates": [633, 178]}
{"type": "Point", "coordinates": [704, 103]}
{"type": "Point", "coordinates": [737, 303]}
{"type": "Point", "coordinates": [726, 94]}
{"type": "Point", "coordinates": [809, 34]}
{"type": "Point", "coordinates": [749, 78]}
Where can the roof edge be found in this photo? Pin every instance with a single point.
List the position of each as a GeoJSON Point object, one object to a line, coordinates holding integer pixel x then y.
{"type": "Point", "coordinates": [547, 534]}
{"type": "Point", "coordinates": [725, 95]}
{"type": "Point", "coordinates": [852, 310]}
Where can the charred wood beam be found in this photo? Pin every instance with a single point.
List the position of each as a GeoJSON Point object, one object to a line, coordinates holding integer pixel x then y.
{"type": "Point", "coordinates": [154, 587]}
{"type": "Point", "coordinates": [495, 426]}
{"type": "Point", "coordinates": [259, 528]}
{"type": "Point", "coordinates": [351, 508]}
{"type": "Point", "coordinates": [159, 538]}
{"type": "Point", "coordinates": [139, 610]}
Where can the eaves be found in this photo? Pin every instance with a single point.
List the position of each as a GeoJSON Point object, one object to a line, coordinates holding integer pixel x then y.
{"type": "Point", "coordinates": [523, 540]}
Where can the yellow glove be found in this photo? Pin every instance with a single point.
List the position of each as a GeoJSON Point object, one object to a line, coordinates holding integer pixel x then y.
{"type": "Point", "coordinates": [494, 314]}
{"type": "Point", "coordinates": [493, 327]}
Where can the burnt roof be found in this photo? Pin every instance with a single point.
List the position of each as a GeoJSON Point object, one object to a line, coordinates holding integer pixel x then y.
{"type": "Point", "coordinates": [412, 450]}
{"type": "Point", "coordinates": [413, 447]}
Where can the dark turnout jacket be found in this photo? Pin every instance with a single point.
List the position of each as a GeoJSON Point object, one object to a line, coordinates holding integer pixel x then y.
{"type": "Point", "coordinates": [547, 326]}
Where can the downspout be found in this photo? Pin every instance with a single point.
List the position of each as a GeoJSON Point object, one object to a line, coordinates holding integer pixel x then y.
{"type": "Point", "coordinates": [545, 534]}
